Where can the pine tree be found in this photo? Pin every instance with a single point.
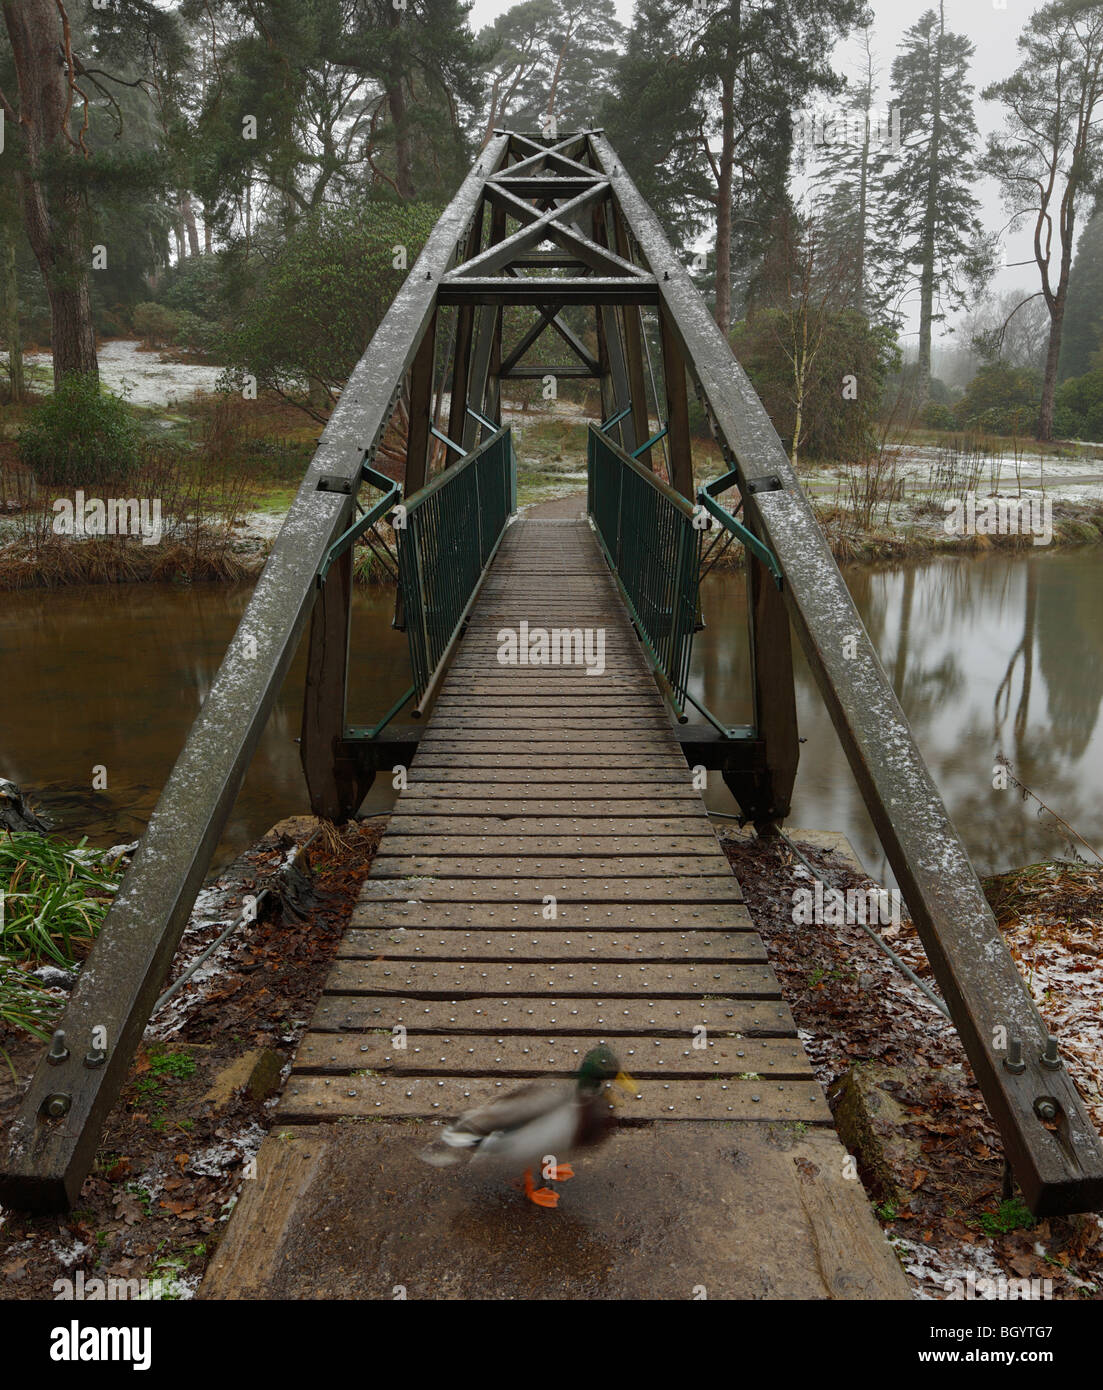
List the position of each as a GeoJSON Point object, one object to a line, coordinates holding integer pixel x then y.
{"type": "Point", "coordinates": [652, 117]}
{"type": "Point", "coordinates": [518, 48]}
{"type": "Point", "coordinates": [849, 193]}
{"type": "Point", "coordinates": [77, 93]}
{"type": "Point", "coordinates": [550, 62]}
{"type": "Point", "coordinates": [589, 39]}
{"type": "Point", "coordinates": [929, 184]}
{"type": "Point", "coordinates": [332, 89]}
{"type": "Point", "coordinates": [1083, 333]}
{"type": "Point", "coordinates": [712, 88]}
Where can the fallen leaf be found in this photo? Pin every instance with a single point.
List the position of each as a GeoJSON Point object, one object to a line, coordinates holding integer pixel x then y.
{"type": "Point", "coordinates": [128, 1208]}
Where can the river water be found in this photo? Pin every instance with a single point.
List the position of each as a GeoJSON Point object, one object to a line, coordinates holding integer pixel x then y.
{"type": "Point", "coordinates": [1000, 654]}
{"type": "Point", "coordinates": [994, 655]}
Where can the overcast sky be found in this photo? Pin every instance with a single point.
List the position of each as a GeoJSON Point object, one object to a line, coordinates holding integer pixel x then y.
{"type": "Point", "coordinates": [991, 25]}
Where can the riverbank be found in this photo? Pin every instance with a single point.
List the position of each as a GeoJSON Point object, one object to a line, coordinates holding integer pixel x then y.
{"type": "Point", "coordinates": [224, 472]}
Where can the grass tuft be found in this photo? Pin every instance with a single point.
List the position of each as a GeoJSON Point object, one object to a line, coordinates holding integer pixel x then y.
{"type": "Point", "coordinates": [55, 897]}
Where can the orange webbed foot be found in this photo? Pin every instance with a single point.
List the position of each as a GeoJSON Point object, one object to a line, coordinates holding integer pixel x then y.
{"type": "Point", "coordinates": [562, 1172]}
{"type": "Point", "coordinates": [542, 1196]}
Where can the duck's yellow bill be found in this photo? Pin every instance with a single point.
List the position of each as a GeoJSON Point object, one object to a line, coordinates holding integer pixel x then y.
{"type": "Point", "coordinates": [625, 1082]}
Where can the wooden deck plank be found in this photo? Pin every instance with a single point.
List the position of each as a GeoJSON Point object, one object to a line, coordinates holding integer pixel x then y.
{"type": "Point", "coordinates": [563, 887]}
{"type": "Point", "coordinates": [580, 844]}
{"type": "Point", "coordinates": [414, 803]}
{"type": "Point", "coordinates": [320, 1099]}
{"type": "Point", "coordinates": [516, 830]}
{"type": "Point", "coordinates": [550, 944]}
{"type": "Point", "coordinates": [620, 979]}
{"type": "Point", "coordinates": [598, 1018]}
{"type": "Point", "coordinates": [728, 916]}
{"type": "Point", "coordinates": [472, 865]}
{"type": "Point", "coordinates": [529, 1054]}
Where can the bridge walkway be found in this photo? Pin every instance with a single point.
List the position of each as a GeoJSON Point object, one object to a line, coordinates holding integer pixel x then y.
{"type": "Point", "coordinates": [550, 878]}
{"type": "Point", "coordinates": [536, 782]}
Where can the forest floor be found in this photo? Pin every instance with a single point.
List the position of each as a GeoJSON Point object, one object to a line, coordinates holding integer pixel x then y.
{"type": "Point", "coordinates": [202, 1087]}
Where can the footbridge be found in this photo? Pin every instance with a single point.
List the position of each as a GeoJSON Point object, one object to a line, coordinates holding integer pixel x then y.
{"type": "Point", "coordinates": [549, 875]}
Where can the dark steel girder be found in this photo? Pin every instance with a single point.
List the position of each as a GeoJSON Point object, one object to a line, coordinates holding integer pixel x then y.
{"type": "Point", "coordinates": [543, 227]}
{"type": "Point", "coordinates": [599, 259]}
{"type": "Point", "coordinates": [538, 290]}
{"type": "Point", "coordinates": [543, 153]}
{"type": "Point", "coordinates": [540, 185]}
{"type": "Point", "coordinates": [1059, 1166]}
{"type": "Point", "coordinates": [566, 369]}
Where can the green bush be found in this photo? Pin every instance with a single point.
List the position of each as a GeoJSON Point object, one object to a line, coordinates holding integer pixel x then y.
{"type": "Point", "coordinates": [196, 334]}
{"type": "Point", "coordinates": [113, 322]}
{"type": "Point", "coordinates": [320, 299]}
{"type": "Point", "coordinates": [937, 416]}
{"type": "Point", "coordinates": [1001, 400]}
{"type": "Point", "coordinates": [196, 285]}
{"type": "Point", "coordinates": [845, 382]}
{"type": "Point", "coordinates": [1078, 409]}
{"type": "Point", "coordinates": [155, 324]}
{"type": "Point", "coordinates": [80, 435]}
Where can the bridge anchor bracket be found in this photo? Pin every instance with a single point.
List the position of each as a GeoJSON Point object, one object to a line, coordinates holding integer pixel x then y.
{"type": "Point", "coordinates": [392, 494]}
{"type": "Point", "coordinates": [707, 498]}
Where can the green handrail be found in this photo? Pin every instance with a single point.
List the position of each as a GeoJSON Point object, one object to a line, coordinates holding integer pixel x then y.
{"type": "Point", "coordinates": [647, 532]}
{"type": "Point", "coordinates": [448, 532]}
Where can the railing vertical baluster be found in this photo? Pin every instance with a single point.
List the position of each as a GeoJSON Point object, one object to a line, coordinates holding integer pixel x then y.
{"type": "Point", "coordinates": [648, 537]}
{"type": "Point", "coordinates": [453, 528]}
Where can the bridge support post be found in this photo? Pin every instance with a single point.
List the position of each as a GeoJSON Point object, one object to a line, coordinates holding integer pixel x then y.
{"type": "Point", "coordinates": [421, 411]}
{"type": "Point", "coordinates": [492, 406]}
{"type": "Point", "coordinates": [483, 354]}
{"type": "Point", "coordinates": [335, 784]}
{"type": "Point", "coordinates": [465, 330]}
{"type": "Point", "coordinates": [764, 793]}
{"type": "Point", "coordinates": [418, 438]}
{"type": "Point", "coordinates": [677, 409]}
{"type": "Point", "coordinates": [616, 386]}
{"type": "Point", "coordinates": [633, 346]}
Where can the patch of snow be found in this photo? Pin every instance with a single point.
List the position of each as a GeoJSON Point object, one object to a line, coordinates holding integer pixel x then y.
{"type": "Point", "coordinates": [936, 1269]}
{"type": "Point", "coordinates": [68, 1256]}
{"type": "Point", "coordinates": [231, 1152]}
{"type": "Point", "coordinates": [144, 378]}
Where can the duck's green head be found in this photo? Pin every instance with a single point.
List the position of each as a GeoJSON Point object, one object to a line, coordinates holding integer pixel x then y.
{"type": "Point", "coordinates": [599, 1066]}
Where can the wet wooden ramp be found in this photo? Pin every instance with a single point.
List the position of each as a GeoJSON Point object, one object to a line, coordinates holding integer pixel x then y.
{"type": "Point", "coordinates": [549, 879]}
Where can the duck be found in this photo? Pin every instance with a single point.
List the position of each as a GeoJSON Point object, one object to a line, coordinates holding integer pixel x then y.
{"type": "Point", "coordinates": [537, 1125]}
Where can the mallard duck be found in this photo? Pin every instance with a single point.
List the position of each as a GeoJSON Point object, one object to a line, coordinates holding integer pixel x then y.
{"type": "Point", "coordinates": [544, 1120]}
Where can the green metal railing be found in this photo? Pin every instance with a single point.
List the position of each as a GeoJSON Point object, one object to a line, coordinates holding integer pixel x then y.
{"type": "Point", "coordinates": [447, 535]}
{"type": "Point", "coordinates": [647, 532]}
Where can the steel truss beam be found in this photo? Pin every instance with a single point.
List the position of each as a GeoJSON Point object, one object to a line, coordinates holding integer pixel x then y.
{"type": "Point", "coordinates": [533, 290]}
